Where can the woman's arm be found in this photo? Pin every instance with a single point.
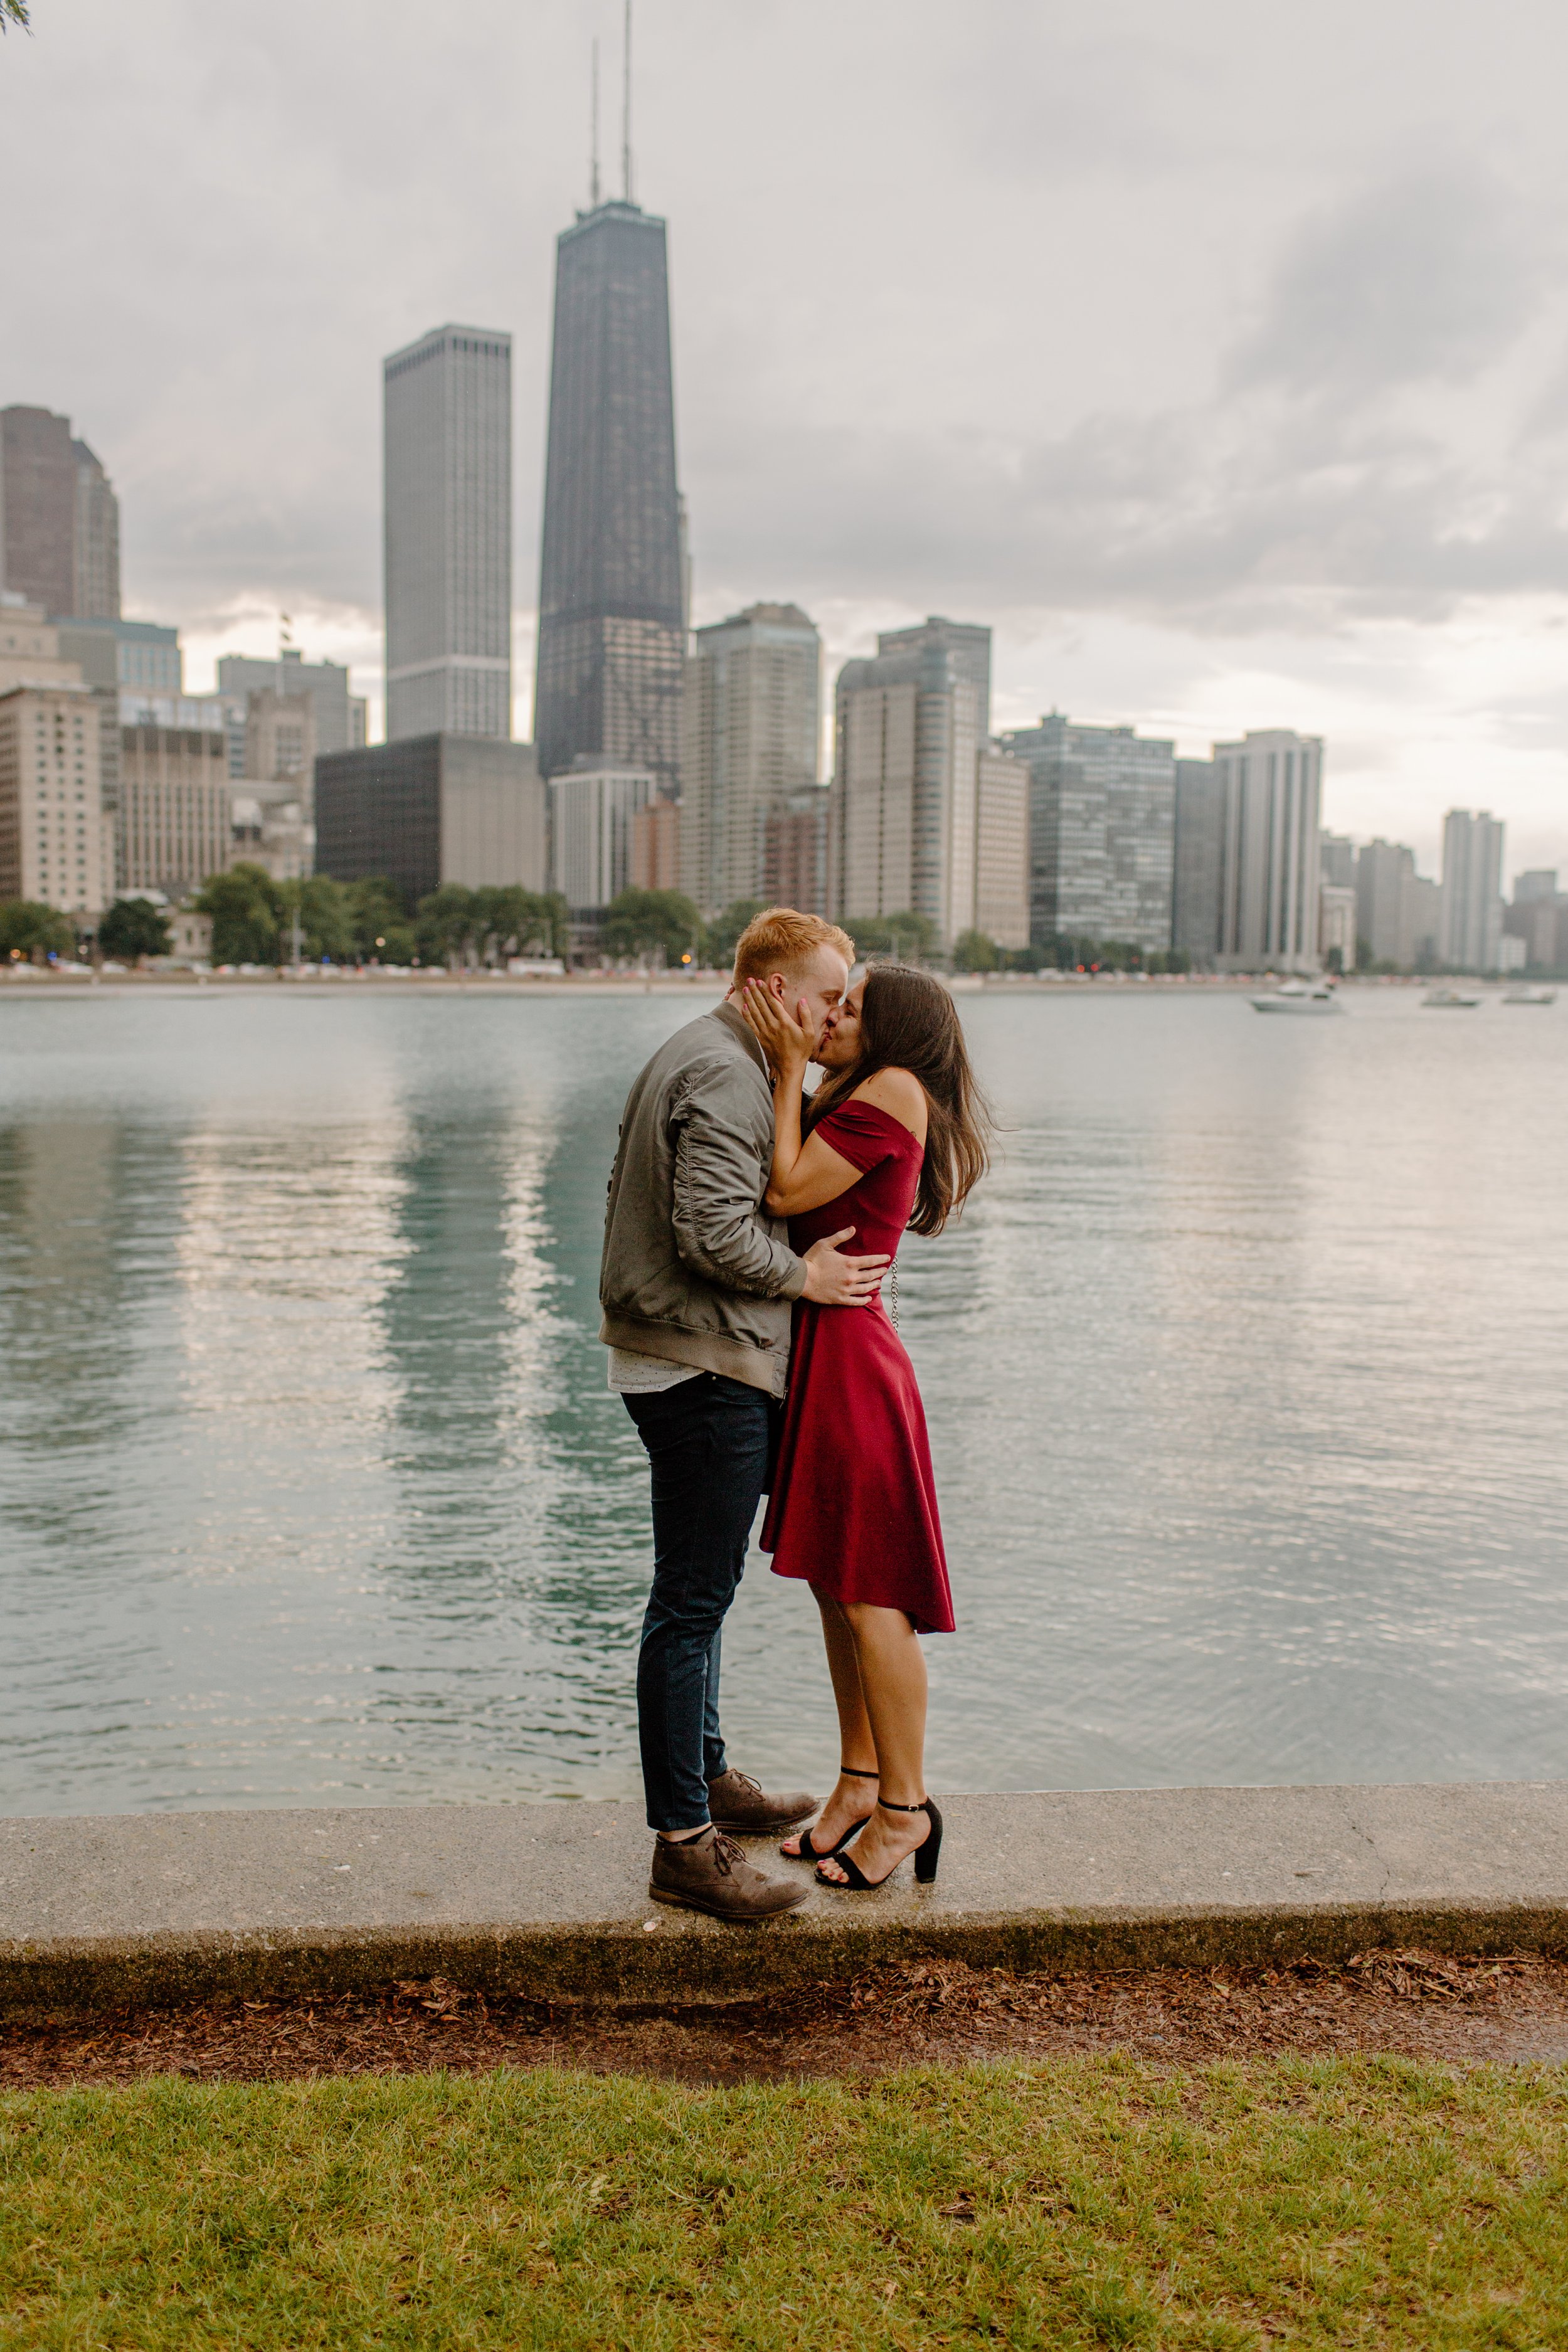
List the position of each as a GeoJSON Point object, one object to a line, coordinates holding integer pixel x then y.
{"type": "Point", "coordinates": [804, 1173]}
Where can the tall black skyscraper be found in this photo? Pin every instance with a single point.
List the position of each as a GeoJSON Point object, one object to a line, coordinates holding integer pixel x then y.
{"type": "Point", "coordinates": [612, 620]}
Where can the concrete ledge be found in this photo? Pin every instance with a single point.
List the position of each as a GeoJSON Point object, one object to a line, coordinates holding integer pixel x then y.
{"type": "Point", "coordinates": [549, 1902]}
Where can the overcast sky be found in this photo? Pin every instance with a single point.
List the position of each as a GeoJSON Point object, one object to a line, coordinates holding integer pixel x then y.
{"type": "Point", "coordinates": [1217, 355]}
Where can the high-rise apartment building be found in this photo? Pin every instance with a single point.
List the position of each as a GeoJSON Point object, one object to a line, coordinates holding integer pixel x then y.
{"type": "Point", "coordinates": [1337, 925]}
{"type": "Point", "coordinates": [324, 683]}
{"type": "Point", "coordinates": [1001, 847]}
{"type": "Point", "coordinates": [1471, 915]}
{"type": "Point", "coordinates": [926, 815]}
{"type": "Point", "coordinates": [1396, 908]}
{"type": "Point", "coordinates": [593, 813]}
{"type": "Point", "coordinates": [656, 847]}
{"type": "Point", "coordinates": [1198, 862]}
{"type": "Point", "coordinates": [1339, 861]}
{"type": "Point", "coordinates": [906, 737]}
{"type": "Point", "coordinates": [447, 512]}
{"type": "Point", "coordinates": [1101, 832]}
{"type": "Point", "coordinates": [59, 519]}
{"type": "Point", "coordinates": [1270, 788]}
{"type": "Point", "coordinates": [55, 846]}
{"type": "Point", "coordinates": [612, 592]}
{"type": "Point", "coordinates": [794, 851]}
{"type": "Point", "coordinates": [1539, 916]}
{"type": "Point", "coordinates": [750, 725]}
{"type": "Point", "coordinates": [968, 642]}
{"type": "Point", "coordinates": [174, 822]}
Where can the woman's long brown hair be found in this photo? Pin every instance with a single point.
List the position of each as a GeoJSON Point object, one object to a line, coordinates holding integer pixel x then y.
{"type": "Point", "coordinates": [908, 1021]}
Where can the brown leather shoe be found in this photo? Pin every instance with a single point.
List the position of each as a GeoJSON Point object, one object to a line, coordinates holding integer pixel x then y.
{"type": "Point", "coordinates": [741, 1804]}
{"type": "Point", "coordinates": [710, 1874]}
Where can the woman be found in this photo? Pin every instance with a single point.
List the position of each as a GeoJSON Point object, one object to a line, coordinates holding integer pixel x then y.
{"type": "Point", "coordinates": [897, 1125]}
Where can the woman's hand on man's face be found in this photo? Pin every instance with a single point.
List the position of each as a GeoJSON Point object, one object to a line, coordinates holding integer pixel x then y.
{"type": "Point", "coordinates": [787, 1040]}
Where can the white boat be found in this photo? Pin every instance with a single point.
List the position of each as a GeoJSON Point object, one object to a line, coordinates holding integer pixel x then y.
{"type": "Point", "coordinates": [1298, 996]}
{"type": "Point", "coordinates": [1453, 1000]}
{"type": "Point", "coordinates": [1525, 995]}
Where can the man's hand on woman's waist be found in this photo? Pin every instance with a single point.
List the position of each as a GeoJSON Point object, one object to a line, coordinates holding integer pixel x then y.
{"type": "Point", "coordinates": [835, 1280]}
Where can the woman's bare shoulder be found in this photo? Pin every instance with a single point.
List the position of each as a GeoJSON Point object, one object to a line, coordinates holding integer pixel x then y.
{"type": "Point", "coordinates": [900, 1093]}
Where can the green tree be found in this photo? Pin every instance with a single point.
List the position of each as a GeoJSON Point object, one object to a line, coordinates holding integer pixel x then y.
{"type": "Point", "coordinates": [975, 951]}
{"type": "Point", "coordinates": [246, 908]}
{"type": "Point", "coordinates": [446, 923]}
{"type": "Point", "coordinates": [724, 930]}
{"type": "Point", "coordinates": [381, 932]}
{"type": "Point", "coordinates": [132, 927]}
{"type": "Point", "coordinates": [326, 920]}
{"type": "Point", "coordinates": [907, 936]}
{"type": "Point", "coordinates": [13, 12]}
{"type": "Point", "coordinates": [653, 922]}
{"type": "Point", "coordinates": [511, 920]}
{"type": "Point", "coordinates": [25, 925]}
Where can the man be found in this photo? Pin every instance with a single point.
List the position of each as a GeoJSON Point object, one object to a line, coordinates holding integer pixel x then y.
{"type": "Point", "coordinates": [696, 1285]}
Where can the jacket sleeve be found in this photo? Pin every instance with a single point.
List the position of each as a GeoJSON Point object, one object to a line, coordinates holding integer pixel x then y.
{"type": "Point", "coordinates": [719, 1184]}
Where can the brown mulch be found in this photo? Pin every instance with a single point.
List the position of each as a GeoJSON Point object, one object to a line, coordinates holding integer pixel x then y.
{"type": "Point", "coordinates": [1416, 2004]}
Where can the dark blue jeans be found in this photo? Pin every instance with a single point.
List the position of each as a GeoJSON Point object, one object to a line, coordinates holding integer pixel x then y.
{"type": "Point", "coordinates": [707, 1443]}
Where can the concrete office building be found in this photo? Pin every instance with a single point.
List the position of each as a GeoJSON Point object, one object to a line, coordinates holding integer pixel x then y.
{"type": "Point", "coordinates": [174, 822]}
{"type": "Point", "coordinates": [592, 832]}
{"type": "Point", "coordinates": [1101, 832]}
{"type": "Point", "coordinates": [339, 714]}
{"type": "Point", "coordinates": [612, 587]}
{"type": "Point", "coordinates": [751, 727]}
{"type": "Point", "coordinates": [447, 512]}
{"type": "Point", "coordinates": [280, 739]}
{"type": "Point", "coordinates": [794, 851]}
{"type": "Point", "coordinates": [1471, 914]}
{"type": "Point", "coordinates": [59, 520]}
{"type": "Point", "coordinates": [430, 809]}
{"type": "Point", "coordinates": [1197, 862]}
{"type": "Point", "coordinates": [1270, 788]}
{"type": "Point", "coordinates": [134, 657]}
{"type": "Point", "coordinates": [30, 651]}
{"type": "Point", "coordinates": [1337, 926]}
{"type": "Point", "coordinates": [1338, 860]}
{"type": "Point", "coordinates": [1538, 915]}
{"type": "Point", "coordinates": [55, 846]}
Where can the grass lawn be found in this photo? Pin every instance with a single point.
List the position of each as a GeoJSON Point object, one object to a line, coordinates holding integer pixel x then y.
{"type": "Point", "coordinates": [1344, 2202]}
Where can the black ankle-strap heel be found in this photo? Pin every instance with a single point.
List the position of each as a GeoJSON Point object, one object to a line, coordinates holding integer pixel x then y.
{"type": "Point", "coordinates": [927, 1853]}
{"type": "Point", "coordinates": [806, 1848]}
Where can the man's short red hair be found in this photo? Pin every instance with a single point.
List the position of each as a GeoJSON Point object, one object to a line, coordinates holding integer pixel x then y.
{"type": "Point", "coordinates": [781, 940]}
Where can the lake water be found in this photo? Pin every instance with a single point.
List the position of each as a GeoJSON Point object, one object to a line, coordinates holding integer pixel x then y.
{"type": "Point", "coordinates": [1247, 1375]}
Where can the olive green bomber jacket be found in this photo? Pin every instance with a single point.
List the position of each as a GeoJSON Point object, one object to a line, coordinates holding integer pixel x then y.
{"type": "Point", "coordinates": [694, 1269]}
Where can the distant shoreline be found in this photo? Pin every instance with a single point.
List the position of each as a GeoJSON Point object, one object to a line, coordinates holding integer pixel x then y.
{"type": "Point", "coordinates": [586, 986]}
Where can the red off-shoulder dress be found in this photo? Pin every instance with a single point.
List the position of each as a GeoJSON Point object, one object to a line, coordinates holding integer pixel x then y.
{"type": "Point", "coordinates": [853, 1508]}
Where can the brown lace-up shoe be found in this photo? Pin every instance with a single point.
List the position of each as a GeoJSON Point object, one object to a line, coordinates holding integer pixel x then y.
{"type": "Point", "coordinates": [710, 1874]}
{"type": "Point", "coordinates": [743, 1805]}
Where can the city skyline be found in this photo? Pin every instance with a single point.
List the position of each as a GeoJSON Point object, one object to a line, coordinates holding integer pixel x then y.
{"type": "Point", "coordinates": [1263, 491]}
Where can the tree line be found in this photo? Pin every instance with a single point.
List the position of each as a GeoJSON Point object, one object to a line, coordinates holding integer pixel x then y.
{"type": "Point", "coordinates": [254, 921]}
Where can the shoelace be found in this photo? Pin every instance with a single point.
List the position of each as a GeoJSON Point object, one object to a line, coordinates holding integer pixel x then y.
{"type": "Point", "coordinates": [745, 1779]}
{"type": "Point", "coordinates": [726, 1853]}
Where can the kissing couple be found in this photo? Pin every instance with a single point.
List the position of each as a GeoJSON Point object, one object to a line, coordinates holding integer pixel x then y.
{"type": "Point", "coordinates": [749, 1230]}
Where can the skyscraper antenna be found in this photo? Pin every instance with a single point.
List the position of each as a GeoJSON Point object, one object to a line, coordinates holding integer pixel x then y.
{"type": "Point", "coordinates": [627, 110]}
{"type": "Point", "coordinates": [593, 174]}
